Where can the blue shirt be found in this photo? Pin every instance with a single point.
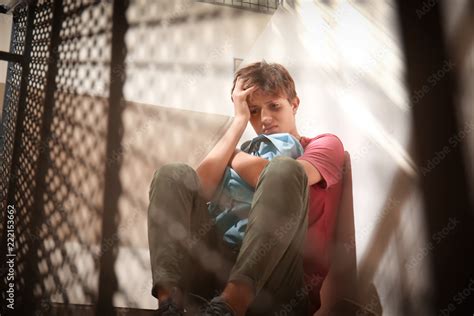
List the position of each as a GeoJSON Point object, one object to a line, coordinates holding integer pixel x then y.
{"type": "Point", "coordinates": [231, 203]}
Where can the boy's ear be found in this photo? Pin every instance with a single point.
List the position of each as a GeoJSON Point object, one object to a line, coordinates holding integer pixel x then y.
{"type": "Point", "coordinates": [295, 104]}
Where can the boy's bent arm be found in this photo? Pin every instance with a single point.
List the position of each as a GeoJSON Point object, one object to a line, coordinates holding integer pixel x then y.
{"type": "Point", "coordinates": [248, 167]}
{"type": "Point", "coordinates": [211, 169]}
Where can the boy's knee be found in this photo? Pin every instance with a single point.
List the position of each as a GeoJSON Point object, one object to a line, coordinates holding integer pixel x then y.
{"type": "Point", "coordinates": [175, 172]}
{"type": "Point", "coordinates": [288, 169]}
{"type": "Point", "coordinates": [287, 178]}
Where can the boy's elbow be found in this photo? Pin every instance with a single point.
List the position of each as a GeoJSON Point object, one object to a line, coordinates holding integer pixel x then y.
{"type": "Point", "coordinates": [207, 185]}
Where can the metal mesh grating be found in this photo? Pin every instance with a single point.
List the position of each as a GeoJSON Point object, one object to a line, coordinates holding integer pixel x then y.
{"type": "Point", "coordinates": [8, 125]}
{"type": "Point", "coordinates": [73, 192]}
{"type": "Point", "coordinates": [71, 189]}
{"type": "Point", "coordinates": [266, 6]}
{"type": "Point", "coordinates": [24, 170]}
{"type": "Point", "coordinates": [19, 31]}
{"type": "Point", "coordinates": [12, 94]}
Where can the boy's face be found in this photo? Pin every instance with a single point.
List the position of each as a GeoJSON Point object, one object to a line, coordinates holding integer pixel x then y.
{"type": "Point", "coordinates": [270, 114]}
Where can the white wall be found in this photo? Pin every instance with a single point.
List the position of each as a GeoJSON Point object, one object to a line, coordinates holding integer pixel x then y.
{"type": "Point", "coordinates": [188, 65]}
{"type": "Point", "coordinates": [5, 33]}
{"type": "Point", "coordinates": [346, 61]}
{"type": "Point", "coordinates": [185, 70]}
{"type": "Point", "coordinates": [347, 64]}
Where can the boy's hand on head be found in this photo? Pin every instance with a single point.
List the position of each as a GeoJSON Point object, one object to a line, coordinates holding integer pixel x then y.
{"type": "Point", "coordinates": [239, 97]}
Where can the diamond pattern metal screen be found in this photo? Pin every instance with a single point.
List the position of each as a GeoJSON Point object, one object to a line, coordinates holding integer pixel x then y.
{"type": "Point", "coordinates": [57, 220]}
{"type": "Point", "coordinates": [267, 6]}
{"type": "Point", "coordinates": [12, 94]}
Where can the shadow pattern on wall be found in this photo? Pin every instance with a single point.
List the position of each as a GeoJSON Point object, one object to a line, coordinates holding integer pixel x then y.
{"type": "Point", "coordinates": [65, 137]}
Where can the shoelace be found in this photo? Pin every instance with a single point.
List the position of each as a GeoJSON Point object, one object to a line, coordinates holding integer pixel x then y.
{"type": "Point", "coordinates": [215, 308]}
{"type": "Point", "coordinates": [204, 302]}
{"type": "Point", "coordinates": [171, 307]}
{"type": "Point", "coordinates": [175, 309]}
{"type": "Point", "coordinates": [200, 298]}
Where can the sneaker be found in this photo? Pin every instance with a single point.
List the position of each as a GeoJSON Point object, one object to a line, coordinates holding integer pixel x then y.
{"type": "Point", "coordinates": [173, 305]}
{"type": "Point", "coordinates": [193, 303]}
{"type": "Point", "coordinates": [169, 308]}
{"type": "Point", "coordinates": [217, 307]}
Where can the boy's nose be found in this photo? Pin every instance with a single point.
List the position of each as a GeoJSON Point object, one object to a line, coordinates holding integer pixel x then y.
{"type": "Point", "coordinates": [266, 118]}
{"type": "Point", "coordinates": [266, 121]}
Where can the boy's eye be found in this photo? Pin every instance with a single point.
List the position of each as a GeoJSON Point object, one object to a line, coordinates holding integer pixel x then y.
{"type": "Point", "coordinates": [274, 105]}
{"type": "Point", "coordinates": [253, 111]}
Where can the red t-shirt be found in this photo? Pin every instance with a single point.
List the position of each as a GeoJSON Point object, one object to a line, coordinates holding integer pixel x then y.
{"type": "Point", "coordinates": [326, 153]}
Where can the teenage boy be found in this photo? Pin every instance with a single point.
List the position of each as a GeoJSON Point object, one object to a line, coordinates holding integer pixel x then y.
{"type": "Point", "coordinates": [284, 256]}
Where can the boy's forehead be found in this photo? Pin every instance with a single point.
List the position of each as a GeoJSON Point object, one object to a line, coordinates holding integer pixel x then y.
{"type": "Point", "coordinates": [260, 96]}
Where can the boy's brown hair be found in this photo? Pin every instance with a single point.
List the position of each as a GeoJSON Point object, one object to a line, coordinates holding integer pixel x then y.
{"type": "Point", "coordinates": [272, 78]}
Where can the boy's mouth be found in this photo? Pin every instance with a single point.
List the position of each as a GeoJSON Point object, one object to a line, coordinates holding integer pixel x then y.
{"type": "Point", "coordinates": [268, 129]}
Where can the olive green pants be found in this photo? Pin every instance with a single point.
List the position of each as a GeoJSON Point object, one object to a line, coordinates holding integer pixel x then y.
{"type": "Point", "coordinates": [187, 251]}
